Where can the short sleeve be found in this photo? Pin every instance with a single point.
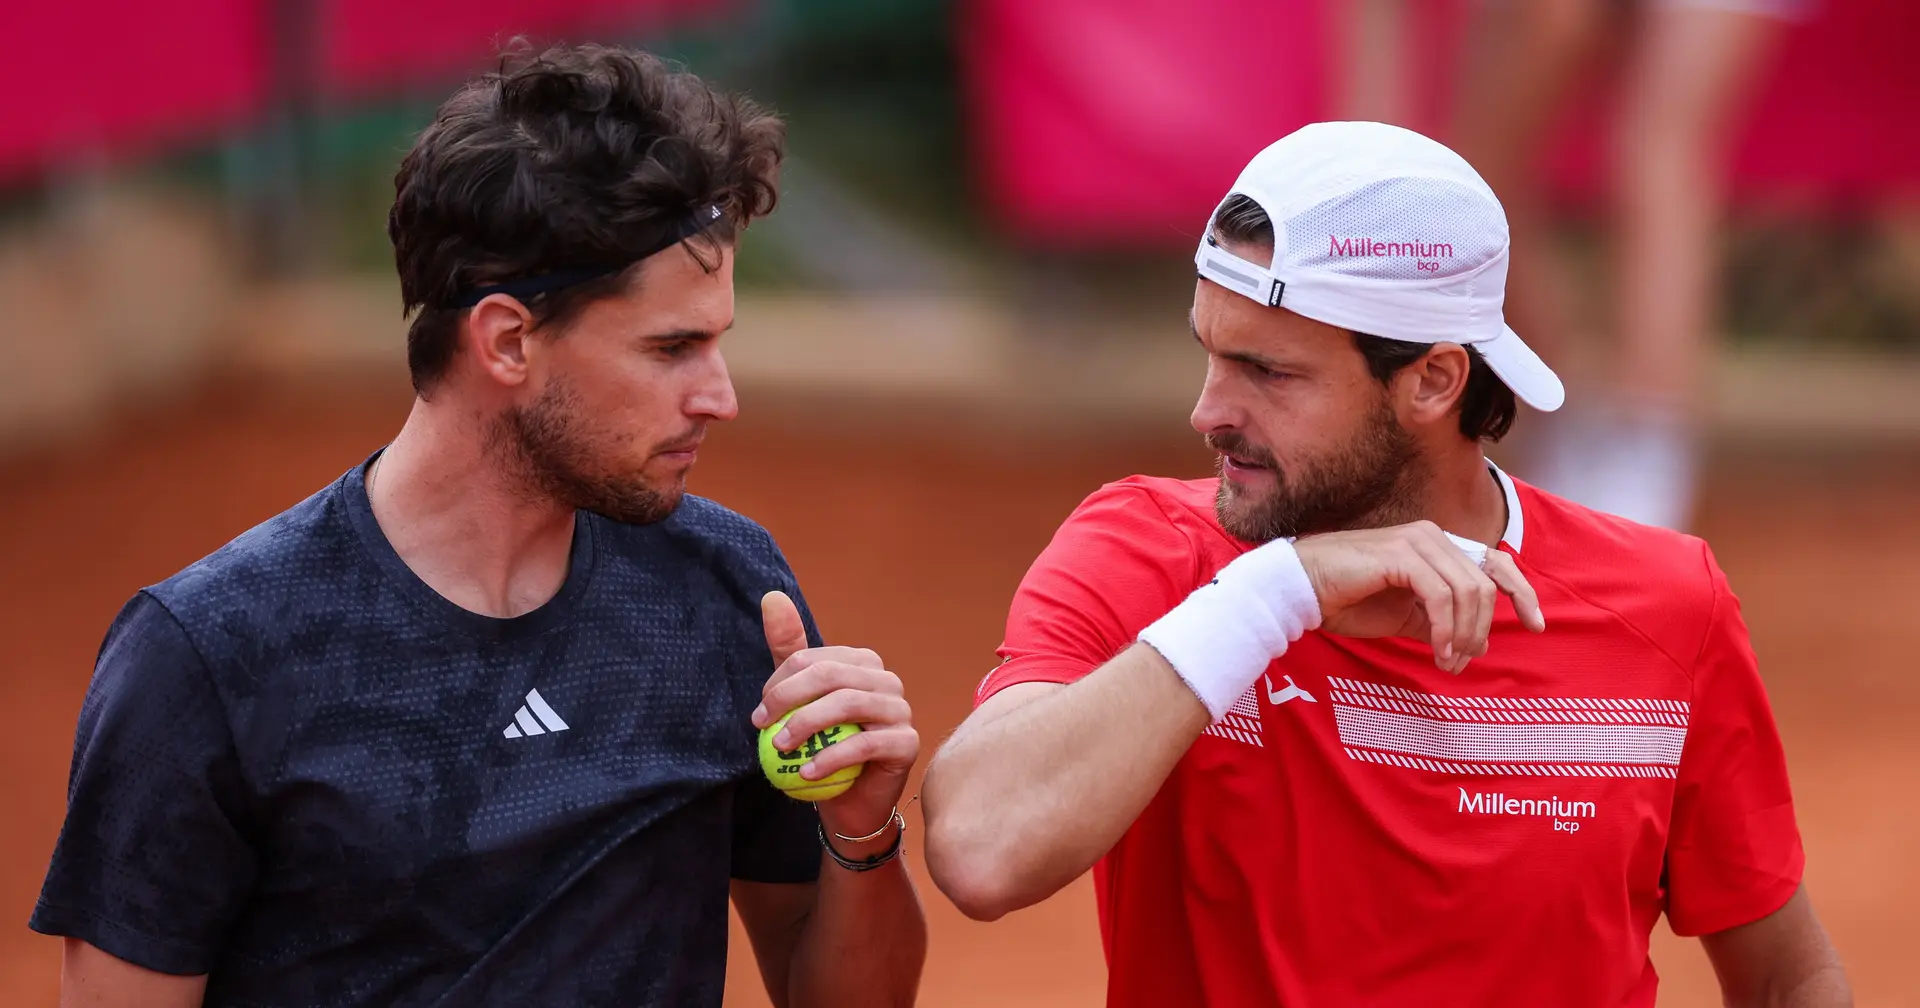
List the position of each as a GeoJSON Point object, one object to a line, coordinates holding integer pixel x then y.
{"type": "Point", "coordinates": [785, 581]}
{"type": "Point", "coordinates": [153, 865]}
{"type": "Point", "coordinates": [775, 838]}
{"type": "Point", "coordinates": [1116, 564]}
{"type": "Point", "coordinates": [1734, 853]}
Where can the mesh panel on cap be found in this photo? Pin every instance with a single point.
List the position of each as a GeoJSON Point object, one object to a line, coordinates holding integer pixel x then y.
{"type": "Point", "coordinates": [1398, 229]}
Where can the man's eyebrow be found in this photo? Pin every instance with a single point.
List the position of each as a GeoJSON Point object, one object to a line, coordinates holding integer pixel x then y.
{"type": "Point", "coordinates": [684, 335]}
{"type": "Point", "coordinates": [1241, 356]}
{"type": "Point", "coordinates": [1256, 360]}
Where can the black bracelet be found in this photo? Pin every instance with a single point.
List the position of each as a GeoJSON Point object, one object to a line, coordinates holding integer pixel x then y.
{"type": "Point", "coordinates": [866, 863]}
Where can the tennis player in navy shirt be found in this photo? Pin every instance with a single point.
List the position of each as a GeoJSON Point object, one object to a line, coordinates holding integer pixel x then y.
{"type": "Point", "coordinates": [474, 724]}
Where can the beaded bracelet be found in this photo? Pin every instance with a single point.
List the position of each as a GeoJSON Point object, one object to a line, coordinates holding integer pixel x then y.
{"type": "Point", "coordinates": [866, 863]}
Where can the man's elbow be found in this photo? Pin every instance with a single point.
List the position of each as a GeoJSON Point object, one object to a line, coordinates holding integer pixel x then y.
{"type": "Point", "coordinates": [978, 875]}
{"type": "Point", "coordinates": [975, 885]}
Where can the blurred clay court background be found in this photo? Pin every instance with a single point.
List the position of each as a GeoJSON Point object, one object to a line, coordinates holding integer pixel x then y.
{"type": "Point", "coordinates": [967, 314]}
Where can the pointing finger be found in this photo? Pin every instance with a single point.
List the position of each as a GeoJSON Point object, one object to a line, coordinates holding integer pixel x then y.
{"type": "Point", "coordinates": [1465, 582]}
{"type": "Point", "coordinates": [1506, 574]}
{"type": "Point", "coordinates": [1436, 599]}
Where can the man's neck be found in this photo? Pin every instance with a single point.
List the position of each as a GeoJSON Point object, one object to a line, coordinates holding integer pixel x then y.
{"type": "Point", "coordinates": [1462, 496]}
{"type": "Point", "coordinates": [463, 522]}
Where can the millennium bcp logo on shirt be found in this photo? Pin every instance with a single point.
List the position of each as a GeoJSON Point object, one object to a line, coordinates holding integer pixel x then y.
{"type": "Point", "coordinates": [1499, 803]}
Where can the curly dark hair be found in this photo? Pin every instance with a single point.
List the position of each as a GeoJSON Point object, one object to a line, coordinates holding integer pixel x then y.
{"type": "Point", "coordinates": [576, 157]}
{"type": "Point", "coordinates": [1487, 407]}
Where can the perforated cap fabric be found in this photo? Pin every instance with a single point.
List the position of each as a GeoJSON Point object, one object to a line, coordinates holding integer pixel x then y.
{"type": "Point", "coordinates": [1381, 230]}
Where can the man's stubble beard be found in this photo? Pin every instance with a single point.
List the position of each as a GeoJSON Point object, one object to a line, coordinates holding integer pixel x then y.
{"type": "Point", "coordinates": [555, 455]}
{"type": "Point", "coordinates": [1367, 484]}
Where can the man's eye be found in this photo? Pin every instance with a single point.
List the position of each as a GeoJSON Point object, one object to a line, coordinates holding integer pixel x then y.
{"type": "Point", "coordinates": [676, 349]}
{"type": "Point", "coordinates": [1267, 372]}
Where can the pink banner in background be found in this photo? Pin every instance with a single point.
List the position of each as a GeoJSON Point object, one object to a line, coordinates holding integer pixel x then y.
{"type": "Point", "coordinates": [1834, 118]}
{"type": "Point", "coordinates": [122, 78]}
{"type": "Point", "coordinates": [376, 43]}
{"type": "Point", "coordinates": [1099, 122]}
{"type": "Point", "coordinates": [94, 80]}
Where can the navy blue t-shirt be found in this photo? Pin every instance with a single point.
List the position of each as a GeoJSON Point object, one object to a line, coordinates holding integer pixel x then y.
{"type": "Point", "coordinates": [302, 771]}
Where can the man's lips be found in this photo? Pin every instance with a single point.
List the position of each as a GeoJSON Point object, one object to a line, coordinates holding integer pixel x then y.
{"type": "Point", "coordinates": [1243, 471]}
{"type": "Point", "coordinates": [1242, 463]}
{"type": "Point", "coordinates": [1234, 454]}
{"type": "Point", "coordinates": [681, 451]}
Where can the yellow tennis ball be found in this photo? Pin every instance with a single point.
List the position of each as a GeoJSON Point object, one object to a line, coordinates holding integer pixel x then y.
{"type": "Point", "coordinates": [782, 767]}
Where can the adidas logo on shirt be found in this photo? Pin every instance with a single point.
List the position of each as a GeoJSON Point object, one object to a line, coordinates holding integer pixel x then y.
{"type": "Point", "coordinates": [534, 717]}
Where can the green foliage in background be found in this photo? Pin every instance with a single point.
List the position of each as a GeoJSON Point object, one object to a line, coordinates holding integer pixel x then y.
{"type": "Point", "coordinates": [867, 86]}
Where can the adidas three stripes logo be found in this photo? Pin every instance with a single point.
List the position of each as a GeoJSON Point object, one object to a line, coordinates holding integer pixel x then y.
{"type": "Point", "coordinates": [534, 717]}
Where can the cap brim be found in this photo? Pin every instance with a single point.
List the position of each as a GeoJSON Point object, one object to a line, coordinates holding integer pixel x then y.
{"type": "Point", "coordinates": [1524, 372]}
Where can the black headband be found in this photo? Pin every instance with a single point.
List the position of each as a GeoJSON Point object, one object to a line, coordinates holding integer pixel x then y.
{"type": "Point", "coordinates": [553, 280]}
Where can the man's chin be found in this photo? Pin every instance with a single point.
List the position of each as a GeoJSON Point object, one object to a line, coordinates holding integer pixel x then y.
{"type": "Point", "coordinates": [663, 503]}
{"type": "Point", "coordinates": [637, 504]}
{"type": "Point", "coordinates": [1238, 511]}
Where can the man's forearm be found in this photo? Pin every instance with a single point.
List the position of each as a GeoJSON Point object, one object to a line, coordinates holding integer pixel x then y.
{"type": "Point", "coordinates": [90, 978]}
{"type": "Point", "coordinates": [1037, 786]}
{"type": "Point", "coordinates": [1044, 779]}
{"type": "Point", "coordinates": [1023, 803]}
{"type": "Point", "coordinates": [1827, 988]}
{"type": "Point", "coordinates": [866, 939]}
{"type": "Point", "coordinates": [1782, 960]}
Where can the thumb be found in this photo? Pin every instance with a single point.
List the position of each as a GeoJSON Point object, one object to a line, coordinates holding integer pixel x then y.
{"type": "Point", "coordinates": [786, 633]}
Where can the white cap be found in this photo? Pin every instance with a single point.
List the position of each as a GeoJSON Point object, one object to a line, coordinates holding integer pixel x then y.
{"type": "Point", "coordinates": [1383, 231]}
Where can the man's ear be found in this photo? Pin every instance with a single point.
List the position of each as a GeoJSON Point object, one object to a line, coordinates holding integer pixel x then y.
{"type": "Point", "coordinates": [496, 333]}
{"type": "Point", "coordinates": [1431, 388]}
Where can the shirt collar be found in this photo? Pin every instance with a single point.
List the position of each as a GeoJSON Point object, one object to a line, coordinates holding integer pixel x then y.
{"type": "Point", "coordinates": [1516, 522]}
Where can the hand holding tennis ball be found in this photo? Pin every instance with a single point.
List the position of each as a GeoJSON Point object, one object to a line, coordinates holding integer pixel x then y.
{"type": "Point", "coordinates": [834, 724]}
{"type": "Point", "coordinates": [783, 766]}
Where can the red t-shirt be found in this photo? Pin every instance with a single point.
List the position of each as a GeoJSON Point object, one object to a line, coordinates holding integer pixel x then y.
{"type": "Point", "coordinates": [1364, 829]}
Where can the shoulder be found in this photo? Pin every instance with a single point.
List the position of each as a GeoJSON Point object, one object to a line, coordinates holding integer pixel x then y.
{"type": "Point", "coordinates": [232, 617]}
{"type": "Point", "coordinates": [1128, 553]}
{"type": "Point", "coordinates": [701, 518]}
{"type": "Point", "coordinates": [1142, 528]}
{"type": "Point", "coordinates": [704, 534]}
{"type": "Point", "coordinates": [295, 554]}
{"type": "Point", "coordinates": [1154, 502]}
{"type": "Point", "coordinates": [709, 528]}
{"type": "Point", "coordinates": [1666, 584]}
{"type": "Point", "coordinates": [1187, 496]}
{"type": "Point", "coordinates": [1574, 541]}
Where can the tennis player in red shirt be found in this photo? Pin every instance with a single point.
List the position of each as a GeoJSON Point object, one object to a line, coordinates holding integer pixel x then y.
{"type": "Point", "coordinates": [1383, 764]}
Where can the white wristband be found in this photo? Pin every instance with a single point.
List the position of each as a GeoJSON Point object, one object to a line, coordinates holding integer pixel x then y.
{"type": "Point", "coordinates": [1224, 635]}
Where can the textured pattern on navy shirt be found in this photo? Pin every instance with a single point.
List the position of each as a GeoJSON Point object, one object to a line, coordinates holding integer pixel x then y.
{"type": "Point", "coordinates": [293, 771]}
